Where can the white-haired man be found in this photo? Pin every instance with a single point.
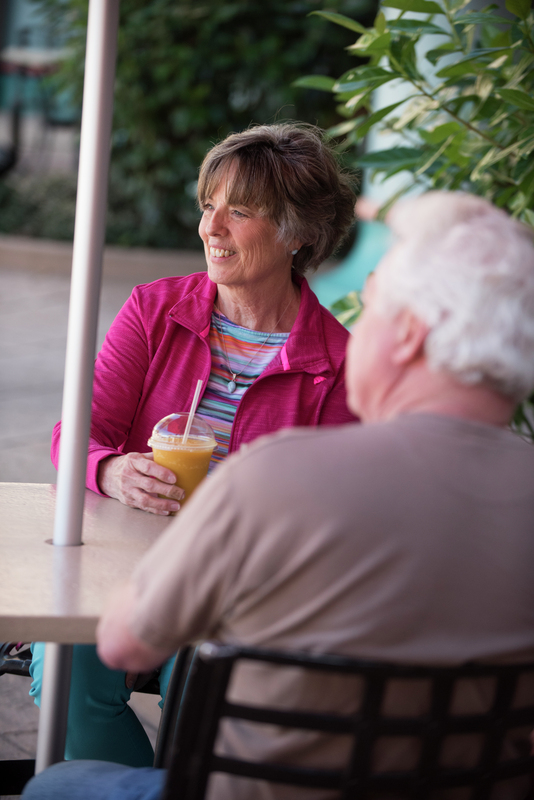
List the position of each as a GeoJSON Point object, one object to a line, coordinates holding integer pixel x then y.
{"type": "Point", "coordinates": [407, 538]}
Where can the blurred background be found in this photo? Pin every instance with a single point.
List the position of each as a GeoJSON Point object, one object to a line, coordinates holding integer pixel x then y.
{"type": "Point", "coordinates": [188, 73]}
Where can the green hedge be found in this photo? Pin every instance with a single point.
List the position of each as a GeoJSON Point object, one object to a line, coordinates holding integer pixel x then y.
{"type": "Point", "coordinates": [188, 73]}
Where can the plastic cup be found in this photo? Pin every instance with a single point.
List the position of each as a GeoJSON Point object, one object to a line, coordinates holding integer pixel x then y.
{"type": "Point", "coordinates": [190, 460]}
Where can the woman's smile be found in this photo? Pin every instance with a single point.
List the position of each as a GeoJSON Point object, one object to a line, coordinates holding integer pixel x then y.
{"type": "Point", "coordinates": [216, 252]}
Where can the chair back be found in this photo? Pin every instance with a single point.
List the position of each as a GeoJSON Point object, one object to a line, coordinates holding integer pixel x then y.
{"type": "Point", "coordinates": [205, 705]}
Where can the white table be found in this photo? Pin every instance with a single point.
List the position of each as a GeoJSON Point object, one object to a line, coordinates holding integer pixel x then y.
{"type": "Point", "coordinates": [57, 594]}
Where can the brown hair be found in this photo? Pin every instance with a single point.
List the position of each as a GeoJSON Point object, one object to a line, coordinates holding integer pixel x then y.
{"type": "Point", "coordinates": [291, 175]}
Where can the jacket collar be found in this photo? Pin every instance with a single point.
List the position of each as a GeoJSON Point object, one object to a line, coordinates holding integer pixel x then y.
{"type": "Point", "coordinates": [305, 348]}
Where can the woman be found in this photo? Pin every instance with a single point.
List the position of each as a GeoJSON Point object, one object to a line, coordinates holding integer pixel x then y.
{"type": "Point", "coordinates": [274, 204]}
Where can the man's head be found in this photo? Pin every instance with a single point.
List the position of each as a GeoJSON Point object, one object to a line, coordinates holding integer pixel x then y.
{"type": "Point", "coordinates": [450, 305]}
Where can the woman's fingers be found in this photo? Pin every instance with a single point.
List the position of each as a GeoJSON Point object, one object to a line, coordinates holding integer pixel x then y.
{"type": "Point", "coordinates": [136, 480]}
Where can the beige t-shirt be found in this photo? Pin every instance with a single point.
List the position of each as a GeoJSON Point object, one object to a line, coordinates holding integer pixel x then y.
{"type": "Point", "coordinates": [407, 541]}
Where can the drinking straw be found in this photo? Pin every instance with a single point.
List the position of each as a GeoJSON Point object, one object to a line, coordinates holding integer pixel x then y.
{"type": "Point", "coordinates": [194, 405]}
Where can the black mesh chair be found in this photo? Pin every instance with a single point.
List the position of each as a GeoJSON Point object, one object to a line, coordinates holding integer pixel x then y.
{"type": "Point", "coordinates": [199, 696]}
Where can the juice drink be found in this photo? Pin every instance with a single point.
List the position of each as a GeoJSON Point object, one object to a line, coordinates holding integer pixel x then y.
{"type": "Point", "coordinates": [190, 460]}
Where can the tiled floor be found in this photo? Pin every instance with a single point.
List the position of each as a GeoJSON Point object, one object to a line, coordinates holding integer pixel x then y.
{"type": "Point", "coordinates": [33, 327]}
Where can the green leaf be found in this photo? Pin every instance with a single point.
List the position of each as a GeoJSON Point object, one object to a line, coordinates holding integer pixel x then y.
{"type": "Point", "coordinates": [481, 18]}
{"type": "Point", "coordinates": [380, 22]}
{"type": "Point", "coordinates": [398, 157]}
{"type": "Point", "coordinates": [371, 43]}
{"type": "Point", "coordinates": [340, 19]}
{"type": "Point", "coordinates": [343, 127]}
{"type": "Point", "coordinates": [415, 26]}
{"type": "Point", "coordinates": [418, 6]}
{"type": "Point", "coordinates": [441, 132]}
{"type": "Point", "coordinates": [348, 309]}
{"type": "Point", "coordinates": [443, 50]}
{"type": "Point", "coordinates": [517, 98]}
{"type": "Point", "coordinates": [321, 82]}
{"type": "Point", "coordinates": [366, 78]}
{"type": "Point", "coordinates": [527, 184]}
{"type": "Point", "coordinates": [502, 198]}
{"type": "Point", "coordinates": [528, 217]}
{"type": "Point", "coordinates": [462, 66]}
{"type": "Point", "coordinates": [495, 154]}
{"type": "Point", "coordinates": [419, 105]}
{"type": "Point", "coordinates": [520, 8]}
{"type": "Point", "coordinates": [433, 157]}
{"type": "Point", "coordinates": [375, 117]}
{"type": "Point", "coordinates": [357, 100]}
{"type": "Point", "coordinates": [402, 53]}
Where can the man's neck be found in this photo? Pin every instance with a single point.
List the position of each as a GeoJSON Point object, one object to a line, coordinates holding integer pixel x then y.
{"type": "Point", "coordinates": [437, 393]}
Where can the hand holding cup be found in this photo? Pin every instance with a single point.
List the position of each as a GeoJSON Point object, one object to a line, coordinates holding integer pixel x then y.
{"type": "Point", "coordinates": [137, 481]}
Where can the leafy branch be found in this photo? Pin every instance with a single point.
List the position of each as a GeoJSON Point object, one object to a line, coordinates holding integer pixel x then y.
{"type": "Point", "coordinates": [473, 130]}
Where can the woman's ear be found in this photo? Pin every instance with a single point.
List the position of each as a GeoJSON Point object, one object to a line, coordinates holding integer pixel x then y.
{"type": "Point", "coordinates": [410, 338]}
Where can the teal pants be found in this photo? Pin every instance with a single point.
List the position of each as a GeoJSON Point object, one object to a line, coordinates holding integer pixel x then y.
{"type": "Point", "coordinates": [101, 724]}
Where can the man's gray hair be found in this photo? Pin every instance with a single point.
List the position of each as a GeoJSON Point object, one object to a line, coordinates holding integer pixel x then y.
{"type": "Point", "coordinates": [466, 269]}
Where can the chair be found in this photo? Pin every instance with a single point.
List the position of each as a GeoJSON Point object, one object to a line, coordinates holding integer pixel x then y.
{"type": "Point", "coordinates": [203, 704]}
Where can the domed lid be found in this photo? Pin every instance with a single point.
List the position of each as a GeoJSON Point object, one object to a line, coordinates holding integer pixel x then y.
{"type": "Point", "coordinates": [169, 432]}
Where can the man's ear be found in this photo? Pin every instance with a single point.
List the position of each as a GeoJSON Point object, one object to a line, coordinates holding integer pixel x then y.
{"type": "Point", "coordinates": [410, 338]}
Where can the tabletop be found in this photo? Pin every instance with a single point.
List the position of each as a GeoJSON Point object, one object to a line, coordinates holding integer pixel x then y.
{"type": "Point", "coordinates": [56, 594]}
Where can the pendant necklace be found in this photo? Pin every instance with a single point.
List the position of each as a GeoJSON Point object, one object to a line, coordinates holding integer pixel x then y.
{"type": "Point", "coordinates": [232, 385]}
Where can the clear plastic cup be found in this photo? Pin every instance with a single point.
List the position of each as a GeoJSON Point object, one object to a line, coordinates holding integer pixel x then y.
{"type": "Point", "coordinates": [189, 461]}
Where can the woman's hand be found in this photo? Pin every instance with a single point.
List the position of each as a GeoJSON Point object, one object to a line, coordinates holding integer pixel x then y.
{"type": "Point", "coordinates": [136, 480]}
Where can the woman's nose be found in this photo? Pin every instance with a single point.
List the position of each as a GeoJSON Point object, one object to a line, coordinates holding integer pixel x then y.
{"type": "Point", "coordinates": [216, 224]}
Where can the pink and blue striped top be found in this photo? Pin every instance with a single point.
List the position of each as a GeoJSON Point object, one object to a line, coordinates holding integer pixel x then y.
{"type": "Point", "coordinates": [218, 406]}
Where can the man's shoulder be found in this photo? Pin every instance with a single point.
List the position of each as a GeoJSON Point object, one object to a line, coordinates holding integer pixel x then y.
{"type": "Point", "coordinates": [408, 448]}
{"type": "Point", "coordinates": [316, 449]}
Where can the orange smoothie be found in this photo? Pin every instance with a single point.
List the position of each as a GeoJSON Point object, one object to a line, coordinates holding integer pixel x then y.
{"type": "Point", "coordinates": [189, 462]}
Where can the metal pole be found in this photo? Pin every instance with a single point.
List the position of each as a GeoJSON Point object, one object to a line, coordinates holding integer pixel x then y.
{"type": "Point", "coordinates": [89, 233]}
{"type": "Point", "coordinates": [54, 712]}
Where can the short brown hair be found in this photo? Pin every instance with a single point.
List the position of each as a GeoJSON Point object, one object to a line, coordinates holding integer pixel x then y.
{"type": "Point", "coordinates": [292, 176]}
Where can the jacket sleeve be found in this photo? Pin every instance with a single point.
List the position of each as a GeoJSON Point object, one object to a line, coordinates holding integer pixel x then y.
{"type": "Point", "coordinates": [120, 371]}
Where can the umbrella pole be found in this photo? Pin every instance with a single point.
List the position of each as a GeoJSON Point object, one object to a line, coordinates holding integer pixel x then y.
{"type": "Point", "coordinates": [89, 234]}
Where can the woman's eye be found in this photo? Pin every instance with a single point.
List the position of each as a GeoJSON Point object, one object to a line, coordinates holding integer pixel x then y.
{"type": "Point", "coordinates": [238, 213]}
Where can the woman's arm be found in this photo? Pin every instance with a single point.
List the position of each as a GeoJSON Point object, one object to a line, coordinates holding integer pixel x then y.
{"type": "Point", "coordinates": [120, 372]}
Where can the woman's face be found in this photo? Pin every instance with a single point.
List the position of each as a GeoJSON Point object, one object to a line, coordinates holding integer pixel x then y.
{"type": "Point", "coordinates": [241, 247]}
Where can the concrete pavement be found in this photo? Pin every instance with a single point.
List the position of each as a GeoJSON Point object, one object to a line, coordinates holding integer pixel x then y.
{"type": "Point", "coordinates": [34, 295]}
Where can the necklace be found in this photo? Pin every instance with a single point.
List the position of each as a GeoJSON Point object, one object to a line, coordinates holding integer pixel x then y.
{"type": "Point", "coordinates": [232, 385]}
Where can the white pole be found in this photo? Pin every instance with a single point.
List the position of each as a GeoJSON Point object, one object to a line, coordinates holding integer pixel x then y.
{"type": "Point", "coordinates": [52, 732]}
{"type": "Point", "coordinates": [89, 233]}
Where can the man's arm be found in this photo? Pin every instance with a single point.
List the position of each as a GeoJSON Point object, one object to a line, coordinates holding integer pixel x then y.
{"type": "Point", "coordinates": [183, 586]}
{"type": "Point", "coordinates": [117, 646]}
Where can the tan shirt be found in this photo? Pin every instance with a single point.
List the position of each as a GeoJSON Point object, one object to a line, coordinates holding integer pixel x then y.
{"type": "Point", "coordinates": [408, 541]}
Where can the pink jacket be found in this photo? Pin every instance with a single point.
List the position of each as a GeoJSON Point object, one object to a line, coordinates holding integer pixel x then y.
{"type": "Point", "coordinates": [158, 347]}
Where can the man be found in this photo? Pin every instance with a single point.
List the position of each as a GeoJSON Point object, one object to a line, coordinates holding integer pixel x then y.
{"type": "Point", "coordinates": [407, 539]}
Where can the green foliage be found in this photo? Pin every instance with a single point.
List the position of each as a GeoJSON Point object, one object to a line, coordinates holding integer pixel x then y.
{"type": "Point", "coordinates": [467, 117]}
{"type": "Point", "coordinates": [188, 73]}
{"type": "Point", "coordinates": [41, 206]}
{"type": "Point", "coordinates": [348, 309]}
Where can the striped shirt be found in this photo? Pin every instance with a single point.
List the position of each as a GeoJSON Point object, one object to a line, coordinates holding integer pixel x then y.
{"type": "Point", "coordinates": [249, 354]}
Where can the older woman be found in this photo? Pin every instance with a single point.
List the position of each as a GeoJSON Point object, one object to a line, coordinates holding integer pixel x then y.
{"type": "Point", "coordinates": [274, 204]}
